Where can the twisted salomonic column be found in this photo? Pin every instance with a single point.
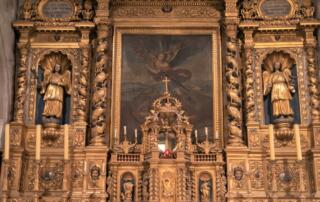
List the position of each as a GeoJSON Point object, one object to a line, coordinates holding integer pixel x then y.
{"type": "Point", "coordinates": [83, 85]}
{"type": "Point", "coordinates": [101, 75]}
{"type": "Point", "coordinates": [232, 72]}
{"type": "Point", "coordinates": [310, 44]}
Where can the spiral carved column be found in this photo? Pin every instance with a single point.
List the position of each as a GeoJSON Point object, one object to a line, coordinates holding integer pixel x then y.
{"type": "Point", "coordinates": [233, 77]}
{"type": "Point", "coordinates": [100, 77]}
{"type": "Point", "coordinates": [313, 82]}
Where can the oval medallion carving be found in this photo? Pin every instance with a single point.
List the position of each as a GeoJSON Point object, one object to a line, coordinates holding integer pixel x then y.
{"type": "Point", "coordinates": [58, 9]}
{"type": "Point", "coordinates": [276, 8]}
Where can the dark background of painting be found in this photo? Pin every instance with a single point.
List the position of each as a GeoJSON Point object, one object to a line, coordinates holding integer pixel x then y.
{"type": "Point", "coordinates": [140, 87]}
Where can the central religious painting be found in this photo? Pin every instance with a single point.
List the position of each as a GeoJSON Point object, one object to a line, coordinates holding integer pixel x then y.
{"type": "Point", "coordinates": [186, 60]}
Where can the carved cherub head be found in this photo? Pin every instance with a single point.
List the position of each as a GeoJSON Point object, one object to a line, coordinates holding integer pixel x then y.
{"type": "Point", "coordinates": [57, 68]}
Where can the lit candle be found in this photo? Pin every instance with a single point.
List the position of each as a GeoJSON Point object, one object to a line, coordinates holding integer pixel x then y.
{"type": "Point", "coordinates": [217, 135]}
{"type": "Point", "coordinates": [136, 134]}
{"type": "Point", "coordinates": [206, 131]}
{"type": "Point", "coordinates": [7, 142]}
{"type": "Point", "coordinates": [66, 142]}
{"type": "Point", "coordinates": [271, 141]}
{"type": "Point", "coordinates": [196, 135]}
{"type": "Point", "coordinates": [125, 130]}
{"type": "Point", "coordinates": [38, 141]}
{"type": "Point", "coordinates": [298, 141]}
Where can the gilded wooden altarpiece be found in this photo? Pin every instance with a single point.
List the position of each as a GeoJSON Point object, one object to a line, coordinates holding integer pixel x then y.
{"type": "Point", "coordinates": [85, 155]}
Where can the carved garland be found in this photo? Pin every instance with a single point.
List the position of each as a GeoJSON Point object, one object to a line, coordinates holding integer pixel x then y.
{"type": "Point", "coordinates": [21, 84]}
{"type": "Point", "coordinates": [249, 81]}
{"type": "Point", "coordinates": [313, 83]}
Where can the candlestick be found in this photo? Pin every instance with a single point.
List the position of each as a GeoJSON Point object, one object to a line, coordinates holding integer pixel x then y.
{"type": "Point", "coordinates": [115, 135]}
{"type": "Point", "coordinates": [7, 142]}
{"type": "Point", "coordinates": [66, 142]}
{"type": "Point", "coordinates": [196, 135]}
{"type": "Point", "coordinates": [298, 141]}
{"type": "Point", "coordinates": [206, 131]}
{"type": "Point", "coordinates": [136, 134]}
{"type": "Point", "coordinates": [38, 141]}
{"type": "Point", "coordinates": [217, 135]}
{"type": "Point", "coordinates": [271, 141]}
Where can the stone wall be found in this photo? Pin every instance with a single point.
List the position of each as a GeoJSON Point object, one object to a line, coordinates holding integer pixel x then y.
{"type": "Point", "coordinates": [8, 10]}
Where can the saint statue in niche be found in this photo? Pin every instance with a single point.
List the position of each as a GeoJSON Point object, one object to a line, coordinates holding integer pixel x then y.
{"type": "Point", "coordinates": [278, 83]}
{"type": "Point", "coordinates": [205, 191]}
{"type": "Point", "coordinates": [127, 194]}
{"type": "Point", "coordinates": [205, 184]}
{"type": "Point", "coordinates": [55, 86]}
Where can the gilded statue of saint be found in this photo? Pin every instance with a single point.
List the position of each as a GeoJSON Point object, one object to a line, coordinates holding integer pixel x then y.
{"type": "Point", "coordinates": [54, 84]}
{"type": "Point", "coordinates": [127, 194]}
{"type": "Point", "coordinates": [279, 84]}
{"type": "Point", "coordinates": [205, 191]}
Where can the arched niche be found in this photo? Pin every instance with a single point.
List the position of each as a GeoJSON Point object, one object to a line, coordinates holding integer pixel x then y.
{"type": "Point", "coordinates": [205, 187]}
{"type": "Point", "coordinates": [127, 187]}
{"type": "Point", "coordinates": [288, 64]}
{"type": "Point", "coordinates": [46, 68]}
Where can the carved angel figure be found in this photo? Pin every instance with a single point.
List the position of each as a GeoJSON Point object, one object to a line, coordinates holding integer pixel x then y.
{"type": "Point", "coordinates": [54, 84]}
{"type": "Point", "coordinates": [278, 81]}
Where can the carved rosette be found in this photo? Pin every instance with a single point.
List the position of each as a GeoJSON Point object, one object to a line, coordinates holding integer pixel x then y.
{"type": "Point", "coordinates": [232, 72]}
{"type": "Point", "coordinates": [21, 84]}
{"type": "Point", "coordinates": [100, 85]}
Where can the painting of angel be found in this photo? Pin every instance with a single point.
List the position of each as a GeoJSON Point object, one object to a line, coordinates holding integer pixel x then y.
{"type": "Point", "coordinates": [186, 60]}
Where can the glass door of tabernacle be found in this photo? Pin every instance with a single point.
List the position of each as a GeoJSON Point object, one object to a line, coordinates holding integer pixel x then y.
{"type": "Point", "coordinates": [166, 141]}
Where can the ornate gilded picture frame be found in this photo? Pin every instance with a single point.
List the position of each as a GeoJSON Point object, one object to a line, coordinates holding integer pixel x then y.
{"type": "Point", "coordinates": [189, 58]}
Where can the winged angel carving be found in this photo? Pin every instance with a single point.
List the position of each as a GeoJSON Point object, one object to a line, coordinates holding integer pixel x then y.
{"type": "Point", "coordinates": [56, 82]}
{"type": "Point", "coordinates": [277, 81]}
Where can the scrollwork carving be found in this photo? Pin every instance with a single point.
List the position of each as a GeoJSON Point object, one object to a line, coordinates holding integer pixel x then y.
{"type": "Point", "coordinates": [51, 174]}
{"type": "Point", "coordinates": [250, 102]}
{"type": "Point", "coordinates": [77, 174]}
{"type": "Point", "coordinates": [221, 184]}
{"type": "Point", "coordinates": [256, 175]}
